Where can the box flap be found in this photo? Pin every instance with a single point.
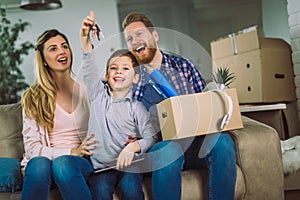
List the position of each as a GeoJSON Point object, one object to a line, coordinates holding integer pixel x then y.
{"type": "Point", "coordinates": [244, 41]}
{"type": "Point", "coordinates": [247, 41]}
{"type": "Point", "coordinates": [275, 43]}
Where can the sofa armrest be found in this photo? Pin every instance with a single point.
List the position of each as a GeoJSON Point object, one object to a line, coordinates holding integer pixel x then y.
{"type": "Point", "coordinates": [260, 159]}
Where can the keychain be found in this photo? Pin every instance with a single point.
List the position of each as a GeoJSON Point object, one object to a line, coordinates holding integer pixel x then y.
{"type": "Point", "coordinates": [97, 32]}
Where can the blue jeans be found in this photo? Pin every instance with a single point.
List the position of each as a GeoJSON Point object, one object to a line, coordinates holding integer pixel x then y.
{"type": "Point", "coordinates": [69, 173]}
{"type": "Point", "coordinates": [166, 160]}
{"type": "Point", "coordinates": [129, 185]}
{"type": "Point", "coordinates": [216, 152]}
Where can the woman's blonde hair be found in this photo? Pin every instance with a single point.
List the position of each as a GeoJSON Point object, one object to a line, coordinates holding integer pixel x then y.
{"type": "Point", "coordinates": [38, 101]}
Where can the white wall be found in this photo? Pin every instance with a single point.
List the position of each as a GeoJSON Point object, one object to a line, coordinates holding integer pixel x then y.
{"type": "Point", "coordinates": [220, 20]}
{"type": "Point", "coordinates": [275, 19]}
{"type": "Point", "coordinates": [294, 30]}
{"type": "Point", "coordinates": [68, 20]}
{"type": "Point", "coordinates": [177, 26]}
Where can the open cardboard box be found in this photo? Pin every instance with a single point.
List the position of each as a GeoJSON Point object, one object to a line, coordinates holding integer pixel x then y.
{"type": "Point", "coordinates": [244, 41]}
{"type": "Point", "coordinates": [263, 66]}
{"type": "Point", "coordinates": [198, 114]}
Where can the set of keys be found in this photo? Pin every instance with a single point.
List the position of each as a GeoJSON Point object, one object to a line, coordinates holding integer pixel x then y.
{"type": "Point", "coordinates": [97, 32]}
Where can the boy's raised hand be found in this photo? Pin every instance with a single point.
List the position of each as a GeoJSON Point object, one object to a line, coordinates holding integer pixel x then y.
{"type": "Point", "coordinates": [86, 27]}
{"type": "Point", "coordinates": [87, 24]}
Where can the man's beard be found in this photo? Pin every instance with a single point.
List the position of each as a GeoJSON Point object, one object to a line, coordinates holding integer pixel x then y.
{"type": "Point", "coordinates": [146, 59]}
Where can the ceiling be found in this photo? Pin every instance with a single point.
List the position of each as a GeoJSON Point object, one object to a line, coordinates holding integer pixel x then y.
{"type": "Point", "coordinates": [10, 4]}
{"type": "Point", "coordinates": [198, 4]}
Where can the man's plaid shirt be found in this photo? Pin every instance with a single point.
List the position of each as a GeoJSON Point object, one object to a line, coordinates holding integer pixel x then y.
{"type": "Point", "coordinates": [179, 71]}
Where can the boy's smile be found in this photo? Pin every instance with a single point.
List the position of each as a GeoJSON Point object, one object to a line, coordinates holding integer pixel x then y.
{"type": "Point", "coordinates": [120, 74]}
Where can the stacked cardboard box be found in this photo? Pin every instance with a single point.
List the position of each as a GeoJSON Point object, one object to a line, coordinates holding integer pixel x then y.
{"type": "Point", "coordinates": [263, 66]}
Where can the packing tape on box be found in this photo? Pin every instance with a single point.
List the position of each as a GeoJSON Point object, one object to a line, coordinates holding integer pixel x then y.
{"type": "Point", "coordinates": [234, 46]}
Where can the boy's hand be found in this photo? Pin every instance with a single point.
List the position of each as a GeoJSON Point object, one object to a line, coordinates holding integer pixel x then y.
{"type": "Point", "coordinates": [126, 156]}
{"type": "Point", "coordinates": [86, 27]}
{"type": "Point", "coordinates": [85, 146]}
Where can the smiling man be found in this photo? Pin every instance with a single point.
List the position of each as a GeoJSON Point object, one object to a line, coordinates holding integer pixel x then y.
{"type": "Point", "coordinates": [173, 156]}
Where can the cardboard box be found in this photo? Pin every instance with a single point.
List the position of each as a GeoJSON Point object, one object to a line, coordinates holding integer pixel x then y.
{"type": "Point", "coordinates": [234, 43]}
{"type": "Point", "coordinates": [283, 120]}
{"type": "Point", "coordinates": [242, 42]}
{"type": "Point", "coordinates": [197, 114]}
{"type": "Point", "coordinates": [263, 67]}
{"type": "Point", "coordinates": [262, 76]}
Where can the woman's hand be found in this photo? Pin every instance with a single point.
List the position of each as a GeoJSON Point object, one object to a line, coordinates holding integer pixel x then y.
{"type": "Point", "coordinates": [86, 145]}
{"type": "Point", "coordinates": [87, 25]}
{"type": "Point", "coordinates": [126, 156]}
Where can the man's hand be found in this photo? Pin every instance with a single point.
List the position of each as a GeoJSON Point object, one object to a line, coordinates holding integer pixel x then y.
{"type": "Point", "coordinates": [85, 146]}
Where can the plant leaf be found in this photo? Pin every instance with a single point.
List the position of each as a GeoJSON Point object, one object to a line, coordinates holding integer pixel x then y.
{"type": "Point", "coordinates": [223, 76]}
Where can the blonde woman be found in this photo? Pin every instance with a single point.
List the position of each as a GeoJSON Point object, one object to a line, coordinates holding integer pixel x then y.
{"type": "Point", "coordinates": [55, 122]}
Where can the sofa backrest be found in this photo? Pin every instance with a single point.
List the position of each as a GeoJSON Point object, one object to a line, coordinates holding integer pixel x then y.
{"type": "Point", "coordinates": [11, 140]}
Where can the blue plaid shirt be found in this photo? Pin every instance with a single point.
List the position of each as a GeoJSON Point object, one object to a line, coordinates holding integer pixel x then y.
{"type": "Point", "coordinates": [180, 72]}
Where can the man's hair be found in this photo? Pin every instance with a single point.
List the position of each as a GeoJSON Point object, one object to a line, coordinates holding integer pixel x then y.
{"type": "Point", "coordinates": [127, 53]}
{"type": "Point", "coordinates": [138, 17]}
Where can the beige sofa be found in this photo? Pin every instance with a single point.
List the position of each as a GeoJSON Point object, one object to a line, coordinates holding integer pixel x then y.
{"type": "Point", "coordinates": [259, 163]}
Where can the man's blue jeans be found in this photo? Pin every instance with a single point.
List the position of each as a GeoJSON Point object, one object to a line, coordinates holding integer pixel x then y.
{"type": "Point", "coordinates": [69, 173]}
{"type": "Point", "coordinates": [166, 160]}
{"type": "Point", "coordinates": [129, 185]}
{"type": "Point", "coordinates": [216, 152]}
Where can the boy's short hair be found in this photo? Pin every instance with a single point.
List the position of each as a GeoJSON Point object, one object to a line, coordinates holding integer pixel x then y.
{"type": "Point", "coordinates": [127, 53]}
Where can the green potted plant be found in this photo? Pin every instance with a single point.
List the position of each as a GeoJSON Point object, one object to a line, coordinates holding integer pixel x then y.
{"type": "Point", "coordinates": [12, 79]}
{"type": "Point", "coordinates": [223, 76]}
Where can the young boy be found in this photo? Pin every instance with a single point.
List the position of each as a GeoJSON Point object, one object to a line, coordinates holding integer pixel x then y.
{"type": "Point", "coordinates": [116, 119]}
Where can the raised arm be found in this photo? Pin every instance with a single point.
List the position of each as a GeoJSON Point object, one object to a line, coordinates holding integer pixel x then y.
{"type": "Point", "coordinates": [86, 27]}
{"type": "Point", "coordinates": [90, 68]}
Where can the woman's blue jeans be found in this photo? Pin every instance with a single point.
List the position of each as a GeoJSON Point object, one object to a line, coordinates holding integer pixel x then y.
{"type": "Point", "coordinates": [69, 173]}
{"type": "Point", "coordinates": [216, 152]}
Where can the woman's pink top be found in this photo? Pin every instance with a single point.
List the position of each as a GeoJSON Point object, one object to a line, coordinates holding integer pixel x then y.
{"type": "Point", "coordinates": [68, 132]}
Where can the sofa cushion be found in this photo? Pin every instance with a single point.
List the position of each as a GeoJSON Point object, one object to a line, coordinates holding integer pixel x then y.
{"type": "Point", "coordinates": [11, 140]}
{"type": "Point", "coordinates": [10, 176]}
